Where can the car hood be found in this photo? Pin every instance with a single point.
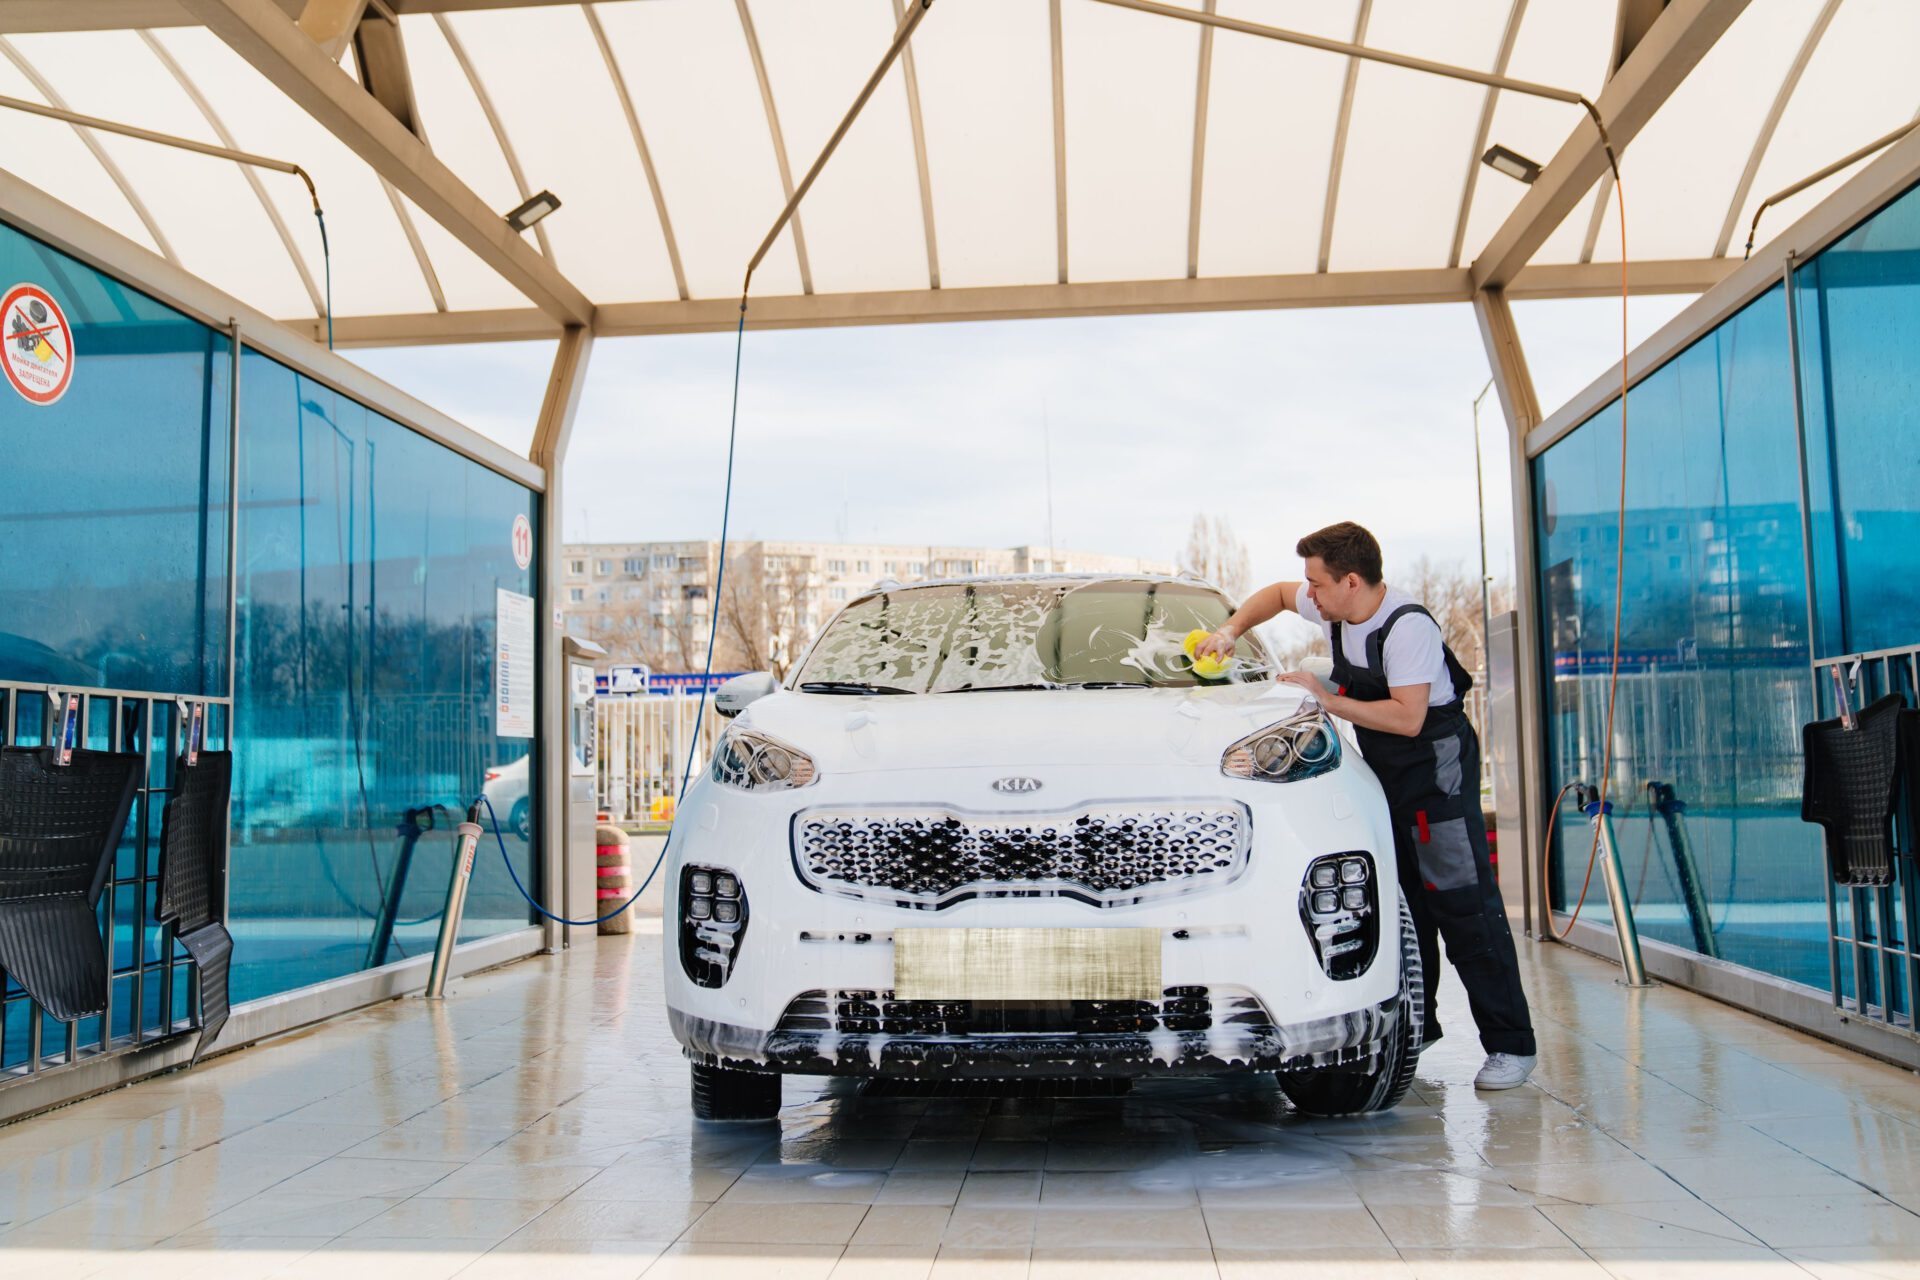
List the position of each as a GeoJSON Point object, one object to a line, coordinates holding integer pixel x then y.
{"type": "Point", "coordinates": [1021, 728]}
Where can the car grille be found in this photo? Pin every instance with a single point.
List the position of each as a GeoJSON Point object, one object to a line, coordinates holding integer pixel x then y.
{"type": "Point", "coordinates": [878, 1013]}
{"type": "Point", "coordinates": [1109, 855]}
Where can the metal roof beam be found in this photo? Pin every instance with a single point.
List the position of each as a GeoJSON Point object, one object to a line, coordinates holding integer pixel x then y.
{"type": "Point", "coordinates": [779, 140]}
{"type": "Point", "coordinates": [1017, 302]}
{"type": "Point", "coordinates": [1764, 138]}
{"type": "Point", "coordinates": [500, 138]}
{"type": "Point", "coordinates": [911, 79]}
{"type": "Point", "coordinates": [640, 147]}
{"type": "Point", "coordinates": [45, 89]}
{"type": "Point", "coordinates": [20, 16]}
{"type": "Point", "coordinates": [1515, 16]}
{"type": "Point", "coordinates": [1202, 92]}
{"type": "Point", "coordinates": [1057, 43]}
{"type": "Point", "coordinates": [259, 32]}
{"type": "Point", "coordinates": [247, 171]}
{"type": "Point", "coordinates": [1662, 59]}
{"type": "Point", "coordinates": [1339, 154]}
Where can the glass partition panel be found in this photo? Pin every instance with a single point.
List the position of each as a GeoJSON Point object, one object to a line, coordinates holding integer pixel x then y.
{"type": "Point", "coordinates": [1859, 314]}
{"type": "Point", "coordinates": [365, 716]}
{"type": "Point", "coordinates": [113, 492]}
{"type": "Point", "coordinates": [1713, 679]}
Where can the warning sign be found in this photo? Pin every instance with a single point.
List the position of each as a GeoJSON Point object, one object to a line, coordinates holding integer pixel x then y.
{"type": "Point", "coordinates": [522, 541]}
{"type": "Point", "coordinates": [38, 355]}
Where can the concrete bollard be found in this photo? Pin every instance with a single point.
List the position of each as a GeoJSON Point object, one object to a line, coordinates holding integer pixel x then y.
{"type": "Point", "coordinates": [613, 860]}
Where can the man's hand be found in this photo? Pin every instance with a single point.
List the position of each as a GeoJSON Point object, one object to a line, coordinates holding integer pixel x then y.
{"type": "Point", "coordinates": [1218, 645]}
{"type": "Point", "coordinates": [1306, 680]}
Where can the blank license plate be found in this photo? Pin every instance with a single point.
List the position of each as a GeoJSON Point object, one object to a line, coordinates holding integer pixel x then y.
{"type": "Point", "coordinates": [1026, 964]}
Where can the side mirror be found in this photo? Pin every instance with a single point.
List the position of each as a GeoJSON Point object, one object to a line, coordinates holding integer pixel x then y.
{"type": "Point", "coordinates": [741, 692]}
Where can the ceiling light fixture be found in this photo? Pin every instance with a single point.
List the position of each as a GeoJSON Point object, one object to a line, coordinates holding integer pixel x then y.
{"type": "Point", "coordinates": [1511, 163]}
{"type": "Point", "coordinates": [536, 208]}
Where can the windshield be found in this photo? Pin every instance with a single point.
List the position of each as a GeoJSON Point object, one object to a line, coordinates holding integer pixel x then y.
{"type": "Point", "coordinates": [998, 635]}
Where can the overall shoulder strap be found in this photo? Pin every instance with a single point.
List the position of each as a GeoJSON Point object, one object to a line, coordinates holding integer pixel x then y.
{"type": "Point", "coordinates": [1377, 642]}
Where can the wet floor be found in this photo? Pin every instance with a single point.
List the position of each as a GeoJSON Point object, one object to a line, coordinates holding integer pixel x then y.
{"type": "Point", "coordinates": [537, 1125]}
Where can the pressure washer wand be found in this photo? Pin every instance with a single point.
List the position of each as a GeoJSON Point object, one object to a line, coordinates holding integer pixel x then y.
{"type": "Point", "coordinates": [468, 839]}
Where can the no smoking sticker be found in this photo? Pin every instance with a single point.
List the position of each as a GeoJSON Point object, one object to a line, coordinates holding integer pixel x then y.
{"type": "Point", "coordinates": [522, 541]}
{"type": "Point", "coordinates": [38, 351]}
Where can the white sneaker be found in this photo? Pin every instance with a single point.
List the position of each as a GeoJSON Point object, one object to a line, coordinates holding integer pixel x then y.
{"type": "Point", "coordinates": [1505, 1071]}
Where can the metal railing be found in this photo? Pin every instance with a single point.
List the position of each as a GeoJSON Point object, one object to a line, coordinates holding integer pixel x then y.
{"type": "Point", "coordinates": [1872, 948]}
{"type": "Point", "coordinates": [152, 986]}
{"type": "Point", "coordinates": [642, 752]}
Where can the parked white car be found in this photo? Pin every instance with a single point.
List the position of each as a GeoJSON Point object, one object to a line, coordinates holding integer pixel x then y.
{"type": "Point", "coordinates": [999, 828]}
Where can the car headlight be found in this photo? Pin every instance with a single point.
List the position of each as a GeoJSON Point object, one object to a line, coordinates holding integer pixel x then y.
{"type": "Point", "coordinates": [1304, 745]}
{"type": "Point", "coordinates": [756, 762]}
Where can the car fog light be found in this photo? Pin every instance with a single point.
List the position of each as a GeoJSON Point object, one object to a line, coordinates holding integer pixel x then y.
{"type": "Point", "coordinates": [726, 886]}
{"type": "Point", "coordinates": [1354, 898]}
{"type": "Point", "coordinates": [1326, 902]}
{"type": "Point", "coordinates": [726, 912]}
{"type": "Point", "coordinates": [1353, 871]}
{"type": "Point", "coordinates": [700, 884]}
{"type": "Point", "coordinates": [1324, 875]}
{"type": "Point", "coordinates": [700, 908]}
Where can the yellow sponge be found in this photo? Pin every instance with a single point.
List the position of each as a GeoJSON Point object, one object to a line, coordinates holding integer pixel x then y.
{"type": "Point", "coordinates": [1209, 667]}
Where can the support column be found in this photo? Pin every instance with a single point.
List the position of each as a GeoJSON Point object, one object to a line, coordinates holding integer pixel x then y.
{"type": "Point", "coordinates": [551, 437]}
{"type": "Point", "coordinates": [1508, 363]}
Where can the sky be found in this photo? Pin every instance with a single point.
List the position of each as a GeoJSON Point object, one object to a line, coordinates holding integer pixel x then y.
{"type": "Point", "coordinates": [1124, 428]}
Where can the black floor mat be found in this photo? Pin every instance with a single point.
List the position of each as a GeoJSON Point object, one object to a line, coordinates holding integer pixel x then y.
{"type": "Point", "coordinates": [1849, 788]}
{"type": "Point", "coordinates": [59, 828]}
{"type": "Point", "coordinates": [193, 878]}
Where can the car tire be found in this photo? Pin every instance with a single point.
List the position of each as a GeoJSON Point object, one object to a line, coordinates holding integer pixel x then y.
{"type": "Point", "coordinates": [725, 1093]}
{"type": "Point", "coordinates": [520, 821]}
{"type": "Point", "coordinates": [1348, 1093]}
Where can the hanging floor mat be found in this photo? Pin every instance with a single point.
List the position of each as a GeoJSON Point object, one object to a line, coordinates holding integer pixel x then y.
{"type": "Point", "coordinates": [193, 878]}
{"type": "Point", "coordinates": [1849, 788]}
{"type": "Point", "coordinates": [59, 828]}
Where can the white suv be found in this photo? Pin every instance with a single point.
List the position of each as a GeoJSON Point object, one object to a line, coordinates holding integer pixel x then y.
{"type": "Point", "coordinates": [1000, 828]}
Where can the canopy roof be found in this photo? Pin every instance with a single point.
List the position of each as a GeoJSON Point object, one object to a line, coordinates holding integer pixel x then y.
{"type": "Point", "coordinates": [1028, 157]}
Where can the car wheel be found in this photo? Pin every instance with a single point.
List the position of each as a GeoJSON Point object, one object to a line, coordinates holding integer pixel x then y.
{"type": "Point", "coordinates": [1347, 1093]}
{"type": "Point", "coordinates": [725, 1093]}
{"type": "Point", "coordinates": [521, 819]}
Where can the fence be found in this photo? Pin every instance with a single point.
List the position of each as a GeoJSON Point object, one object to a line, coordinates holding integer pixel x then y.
{"type": "Point", "coordinates": [641, 753]}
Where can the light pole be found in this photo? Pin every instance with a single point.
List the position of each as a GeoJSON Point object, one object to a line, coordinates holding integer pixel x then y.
{"type": "Point", "coordinates": [1480, 497]}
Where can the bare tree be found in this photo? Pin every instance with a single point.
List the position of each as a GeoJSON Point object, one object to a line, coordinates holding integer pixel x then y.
{"type": "Point", "coordinates": [766, 611]}
{"type": "Point", "coordinates": [1452, 595]}
{"type": "Point", "coordinates": [668, 632]}
{"type": "Point", "coordinates": [1215, 552]}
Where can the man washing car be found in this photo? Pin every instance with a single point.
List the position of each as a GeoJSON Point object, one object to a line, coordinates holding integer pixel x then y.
{"type": "Point", "coordinates": [1402, 689]}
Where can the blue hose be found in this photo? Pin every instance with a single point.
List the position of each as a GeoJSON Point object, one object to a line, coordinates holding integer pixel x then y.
{"type": "Point", "coordinates": [713, 631]}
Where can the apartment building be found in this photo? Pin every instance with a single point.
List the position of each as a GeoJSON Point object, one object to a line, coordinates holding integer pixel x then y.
{"type": "Point", "coordinates": [652, 602]}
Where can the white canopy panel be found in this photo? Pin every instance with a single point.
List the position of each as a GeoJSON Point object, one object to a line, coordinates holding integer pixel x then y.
{"type": "Point", "coordinates": [1022, 143]}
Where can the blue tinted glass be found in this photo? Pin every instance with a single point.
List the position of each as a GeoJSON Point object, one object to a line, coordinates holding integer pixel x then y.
{"type": "Point", "coordinates": [1859, 312]}
{"type": "Point", "coordinates": [363, 723]}
{"type": "Point", "coordinates": [1714, 682]}
{"type": "Point", "coordinates": [115, 520]}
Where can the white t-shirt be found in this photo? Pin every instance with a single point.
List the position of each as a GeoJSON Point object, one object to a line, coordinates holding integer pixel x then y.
{"type": "Point", "coordinates": [1414, 652]}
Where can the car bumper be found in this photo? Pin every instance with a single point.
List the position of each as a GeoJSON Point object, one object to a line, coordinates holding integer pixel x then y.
{"type": "Point", "coordinates": [1354, 1039]}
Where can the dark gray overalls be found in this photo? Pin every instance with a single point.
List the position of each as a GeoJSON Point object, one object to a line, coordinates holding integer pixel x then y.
{"type": "Point", "coordinates": [1432, 783]}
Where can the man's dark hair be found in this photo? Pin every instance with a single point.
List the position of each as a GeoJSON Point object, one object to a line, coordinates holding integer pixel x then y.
{"type": "Point", "coordinates": [1344, 548]}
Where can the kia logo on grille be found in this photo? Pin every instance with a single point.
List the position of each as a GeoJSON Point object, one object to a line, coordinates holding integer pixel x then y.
{"type": "Point", "coordinates": [1016, 786]}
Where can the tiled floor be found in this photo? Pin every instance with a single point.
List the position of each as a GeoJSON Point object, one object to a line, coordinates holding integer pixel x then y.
{"type": "Point", "coordinates": [536, 1125]}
